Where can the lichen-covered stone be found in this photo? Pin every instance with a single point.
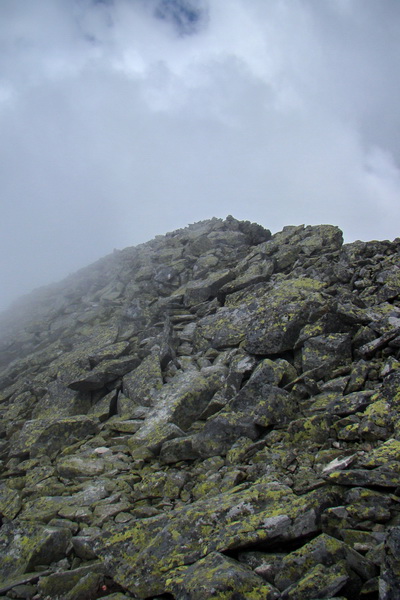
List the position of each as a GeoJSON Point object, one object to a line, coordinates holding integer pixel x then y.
{"type": "Point", "coordinates": [250, 274]}
{"type": "Point", "coordinates": [333, 349]}
{"type": "Point", "coordinates": [234, 427]}
{"type": "Point", "coordinates": [227, 327]}
{"type": "Point", "coordinates": [75, 505]}
{"type": "Point", "coordinates": [386, 453]}
{"type": "Point", "coordinates": [319, 582]}
{"type": "Point", "coordinates": [10, 502]}
{"type": "Point", "coordinates": [87, 588]}
{"type": "Point", "coordinates": [276, 323]}
{"type": "Point", "coordinates": [83, 547]}
{"type": "Point", "coordinates": [258, 403]}
{"type": "Point", "coordinates": [221, 432]}
{"type": "Point", "coordinates": [143, 384]}
{"type": "Point", "coordinates": [110, 352]}
{"type": "Point", "coordinates": [179, 403]}
{"type": "Point", "coordinates": [265, 403]}
{"type": "Point", "coordinates": [323, 550]}
{"type": "Point", "coordinates": [336, 404]}
{"type": "Point", "coordinates": [106, 371]}
{"type": "Point", "coordinates": [61, 401]}
{"type": "Point", "coordinates": [48, 436]}
{"type": "Point", "coordinates": [200, 290]}
{"type": "Point", "coordinates": [24, 546]}
{"type": "Point", "coordinates": [103, 407]}
{"type": "Point", "coordinates": [386, 476]}
{"type": "Point", "coordinates": [59, 585]}
{"type": "Point", "coordinates": [239, 517]}
{"type": "Point", "coordinates": [75, 466]}
{"type": "Point", "coordinates": [178, 449]}
{"type": "Point", "coordinates": [124, 425]}
{"type": "Point", "coordinates": [389, 583]}
{"type": "Point", "coordinates": [217, 576]}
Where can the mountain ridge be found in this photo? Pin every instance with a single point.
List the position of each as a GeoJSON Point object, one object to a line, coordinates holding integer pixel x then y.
{"type": "Point", "coordinates": [210, 414]}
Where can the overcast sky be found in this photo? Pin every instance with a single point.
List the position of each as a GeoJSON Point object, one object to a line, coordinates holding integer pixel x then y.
{"type": "Point", "coordinates": [124, 119]}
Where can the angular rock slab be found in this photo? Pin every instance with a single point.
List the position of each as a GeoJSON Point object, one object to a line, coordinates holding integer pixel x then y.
{"type": "Point", "coordinates": [250, 274]}
{"type": "Point", "coordinates": [387, 476]}
{"type": "Point", "coordinates": [217, 576]}
{"type": "Point", "coordinates": [320, 582]}
{"type": "Point", "coordinates": [110, 352]}
{"type": "Point", "coordinates": [61, 401]}
{"type": "Point", "coordinates": [23, 546]}
{"type": "Point", "coordinates": [10, 502]}
{"type": "Point", "coordinates": [384, 454]}
{"type": "Point", "coordinates": [226, 328]}
{"type": "Point", "coordinates": [143, 384]}
{"type": "Point", "coordinates": [76, 466]}
{"type": "Point", "coordinates": [279, 315]}
{"type": "Point", "coordinates": [389, 584]}
{"type": "Point", "coordinates": [59, 584]}
{"type": "Point", "coordinates": [258, 403]}
{"type": "Point", "coordinates": [200, 291]}
{"type": "Point", "coordinates": [142, 556]}
{"type": "Point", "coordinates": [266, 319]}
{"type": "Point", "coordinates": [333, 348]}
{"type": "Point", "coordinates": [324, 550]}
{"type": "Point", "coordinates": [104, 373]}
{"type": "Point", "coordinates": [178, 405]}
{"type": "Point", "coordinates": [41, 437]}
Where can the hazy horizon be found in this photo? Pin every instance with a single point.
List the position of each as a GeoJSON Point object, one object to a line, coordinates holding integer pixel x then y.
{"type": "Point", "coordinates": [125, 119]}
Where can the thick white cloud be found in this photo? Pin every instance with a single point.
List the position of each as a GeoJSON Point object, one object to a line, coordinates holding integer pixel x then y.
{"type": "Point", "coordinates": [118, 124]}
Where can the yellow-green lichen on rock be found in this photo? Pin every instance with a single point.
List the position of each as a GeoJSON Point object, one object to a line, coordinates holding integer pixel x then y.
{"type": "Point", "coordinates": [217, 576]}
{"type": "Point", "coordinates": [23, 547]}
{"type": "Point", "coordinates": [265, 511]}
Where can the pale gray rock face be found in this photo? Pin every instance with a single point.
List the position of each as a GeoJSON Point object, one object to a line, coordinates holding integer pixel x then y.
{"type": "Point", "coordinates": [212, 414]}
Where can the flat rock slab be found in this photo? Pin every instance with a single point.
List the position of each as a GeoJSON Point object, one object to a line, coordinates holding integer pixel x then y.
{"type": "Point", "coordinates": [61, 401]}
{"type": "Point", "coordinates": [257, 403]}
{"type": "Point", "coordinates": [388, 452]}
{"type": "Point", "coordinates": [22, 580]}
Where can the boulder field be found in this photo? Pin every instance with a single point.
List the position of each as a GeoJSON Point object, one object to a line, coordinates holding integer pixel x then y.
{"type": "Point", "coordinates": [212, 414]}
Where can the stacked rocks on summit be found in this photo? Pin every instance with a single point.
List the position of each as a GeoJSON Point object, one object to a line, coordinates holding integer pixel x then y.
{"type": "Point", "coordinates": [212, 414]}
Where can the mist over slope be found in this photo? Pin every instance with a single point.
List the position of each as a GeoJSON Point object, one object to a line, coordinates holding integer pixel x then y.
{"type": "Point", "coordinates": [211, 414]}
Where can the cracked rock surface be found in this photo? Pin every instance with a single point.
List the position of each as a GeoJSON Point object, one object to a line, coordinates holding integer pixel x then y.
{"type": "Point", "coordinates": [212, 414]}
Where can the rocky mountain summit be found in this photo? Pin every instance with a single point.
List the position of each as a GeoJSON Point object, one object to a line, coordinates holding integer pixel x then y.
{"type": "Point", "coordinates": [212, 414]}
